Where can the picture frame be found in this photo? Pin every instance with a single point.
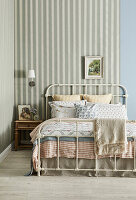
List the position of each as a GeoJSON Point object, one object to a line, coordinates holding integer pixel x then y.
{"type": "Point", "coordinates": [24, 112]}
{"type": "Point", "coordinates": [94, 67]}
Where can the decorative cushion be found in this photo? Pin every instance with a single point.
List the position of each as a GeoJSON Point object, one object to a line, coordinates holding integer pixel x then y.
{"type": "Point", "coordinates": [62, 109]}
{"type": "Point", "coordinates": [62, 112]}
{"type": "Point", "coordinates": [85, 112]}
{"type": "Point", "coordinates": [57, 97]}
{"type": "Point", "coordinates": [116, 111]}
{"type": "Point", "coordinates": [98, 98]}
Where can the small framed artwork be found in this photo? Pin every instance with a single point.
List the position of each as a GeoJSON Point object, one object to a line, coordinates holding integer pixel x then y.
{"type": "Point", "coordinates": [24, 112]}
{"type": "Point", "coordinates": [93, 67]}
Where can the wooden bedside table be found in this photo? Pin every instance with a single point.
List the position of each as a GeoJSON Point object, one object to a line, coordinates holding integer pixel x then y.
{"type": "Point", "coordinates": [21, 127]}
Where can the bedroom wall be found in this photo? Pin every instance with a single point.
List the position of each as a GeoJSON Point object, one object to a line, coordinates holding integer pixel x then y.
{"type": "Point", "coordinates": [6, 71]}
{"type": "Point", "coordinates": [53, 36]}
{"type": "Point", "coordinates": [128, 52]}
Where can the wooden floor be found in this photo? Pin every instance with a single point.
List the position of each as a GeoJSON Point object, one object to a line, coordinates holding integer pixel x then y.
{"type": "Point", "coordinates": [13, 184]}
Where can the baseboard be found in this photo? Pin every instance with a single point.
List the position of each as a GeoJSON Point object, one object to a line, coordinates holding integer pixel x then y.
{"type": "Point", "coordinates": [4, 154]}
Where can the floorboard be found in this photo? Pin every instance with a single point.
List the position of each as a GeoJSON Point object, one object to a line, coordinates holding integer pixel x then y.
{"type": "Point", "coordinates": [15, 186]}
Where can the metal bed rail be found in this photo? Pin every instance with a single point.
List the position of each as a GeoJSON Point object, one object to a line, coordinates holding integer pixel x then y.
{"type": "Point", "coordinates": [39, 168]}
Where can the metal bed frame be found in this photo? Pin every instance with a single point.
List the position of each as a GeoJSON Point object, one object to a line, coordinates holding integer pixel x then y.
{"type": "Point", "coordinates": [39, 136]}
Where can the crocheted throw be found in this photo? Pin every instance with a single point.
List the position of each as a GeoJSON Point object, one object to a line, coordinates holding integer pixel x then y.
{"type": "Point", "coordinates": [110, 136]}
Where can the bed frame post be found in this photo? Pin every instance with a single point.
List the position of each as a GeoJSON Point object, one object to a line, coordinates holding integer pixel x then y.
{"type": "Point", "coordinates": [58, 155]}
{"type": "Point", "coordinates": [46, 102]}
{"type": "Point", "coordinates": [96, 168]}
{"type": "Point", "coordinates": [39, 168]}
{"type": "Point", "coordinates": [77, 146]}
{"type": "Point", "coordinates": [134, 155]}
{"type": "Point", "coordinates": [115, 163]}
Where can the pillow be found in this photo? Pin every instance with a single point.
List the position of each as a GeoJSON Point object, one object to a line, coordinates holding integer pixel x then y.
{"type": "Point", "coordinates": [62, 109]}
{"type": "Point", "coordinates": [62, 112]}
{"type": "Point", "coordinates": [85, 112]}
{"type": "Point", "coordinates": [68, 103]}
{"type": "Point", "coordinates": [57, 97]}
{"type": "Point", "coordinates": [98, 98]}
{"type": "Point", "coordinates": [115, 111]}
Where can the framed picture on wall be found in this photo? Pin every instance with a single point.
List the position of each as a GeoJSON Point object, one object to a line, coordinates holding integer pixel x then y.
{"type": "Point", "coordinates": [93, 67]}
{"type": "Point", "coordinates": [24, 112]}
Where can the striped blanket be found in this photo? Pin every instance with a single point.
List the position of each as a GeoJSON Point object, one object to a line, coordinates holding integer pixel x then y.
{"type": "Point", "coordinates": [67, 149]}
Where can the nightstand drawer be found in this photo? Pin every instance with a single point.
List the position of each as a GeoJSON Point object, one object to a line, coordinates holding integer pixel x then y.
{"type": "Point", "coordinates": [27, 125]}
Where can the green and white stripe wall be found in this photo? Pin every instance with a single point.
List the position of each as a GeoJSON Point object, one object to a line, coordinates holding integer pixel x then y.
{"type": "Point", "coordinates": [53, 36]}
{"type": "Point", "coordinates": [6, 73]}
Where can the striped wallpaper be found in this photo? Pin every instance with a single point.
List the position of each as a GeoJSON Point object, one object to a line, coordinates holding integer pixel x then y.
{"type": "Point", "coordinates": [53, 36]}
{"type": "Point", "coordinates": [6, 73]}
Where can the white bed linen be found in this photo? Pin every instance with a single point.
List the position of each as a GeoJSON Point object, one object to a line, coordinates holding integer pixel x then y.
{"type": "Point", "coordinates": [84, 129]}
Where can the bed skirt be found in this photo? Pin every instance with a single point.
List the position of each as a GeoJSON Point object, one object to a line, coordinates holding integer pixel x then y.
{"type": "Point", "coordinates": [104, 163]}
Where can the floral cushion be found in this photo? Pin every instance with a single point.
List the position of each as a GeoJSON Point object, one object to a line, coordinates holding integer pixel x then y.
{"type": "Point", "coordinates": [85, 112]}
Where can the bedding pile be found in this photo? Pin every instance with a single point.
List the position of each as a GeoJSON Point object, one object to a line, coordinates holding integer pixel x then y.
{"type": "Point", "coordinates": [67, 145]}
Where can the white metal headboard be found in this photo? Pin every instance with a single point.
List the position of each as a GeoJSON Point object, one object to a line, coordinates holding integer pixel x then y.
{"type": "Point", "coordinates": [122, 94]}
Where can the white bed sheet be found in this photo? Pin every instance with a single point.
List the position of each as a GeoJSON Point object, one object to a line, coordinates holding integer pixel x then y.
{"type": "Point", "coordinates": [84, 129]}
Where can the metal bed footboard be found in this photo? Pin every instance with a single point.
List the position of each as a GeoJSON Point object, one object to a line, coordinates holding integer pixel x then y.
{"type": "Point", "coordinates": [39, 168]}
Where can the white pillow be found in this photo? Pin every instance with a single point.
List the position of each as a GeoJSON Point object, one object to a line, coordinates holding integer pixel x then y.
{"type": "Point", "coordinates": [62, 112]}
{"type": "Point", "coordinates": [69, 104]}
{"type": "Point", "coordinates": [115, 111]}
{"type": "Point", "coordinates": [106, 98]}
{"type": "Point", "coordinates": [63, 109]}
{"type": "Point", "coordinates": [74, 97]}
